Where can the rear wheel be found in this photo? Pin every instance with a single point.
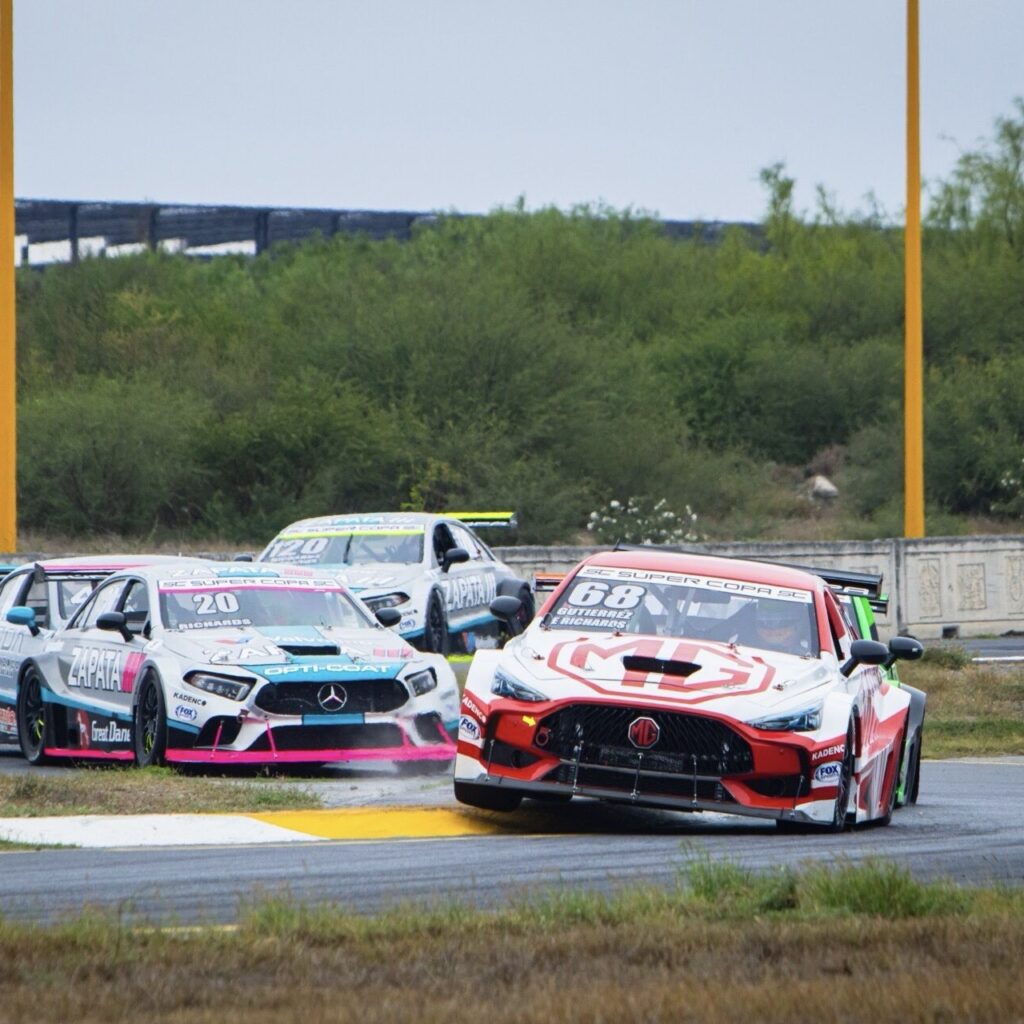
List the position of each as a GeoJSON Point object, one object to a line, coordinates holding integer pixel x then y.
{"type": "Point", "coordinates": [912, 784]}
{"type": "Point", "coordinates": [488, 798]}
{"type": "Point", "coordinates": [32, 718]}
{"type": "Point", "coordinates": [150, 733]}
{"type": "Point", "coordinates": [435, 626]}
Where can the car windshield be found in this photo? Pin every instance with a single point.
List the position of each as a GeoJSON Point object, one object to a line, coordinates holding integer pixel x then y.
{"type": "Point", "coordinates": [217, 604]}
{"type": "Point", "coordinates": [353, 545]}
{"type": "Point", "coordinates": [618, 600]}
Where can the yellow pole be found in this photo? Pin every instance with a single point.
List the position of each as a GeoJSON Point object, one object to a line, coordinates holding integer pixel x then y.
{"type": "Point", "coordinates": [913, 403]}
{"type": "Point", "coordinates": [8, 397]}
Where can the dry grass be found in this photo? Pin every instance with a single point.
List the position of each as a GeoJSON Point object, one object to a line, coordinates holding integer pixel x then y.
{"type": "Point", "coordinates": [973, 711]}
{"type": "Point", "coordinates": [116, 790]}
{"type": "Point", "coordinates": [717, 951]}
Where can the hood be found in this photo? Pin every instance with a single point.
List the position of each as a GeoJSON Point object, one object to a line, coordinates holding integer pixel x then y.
{"type": "Point", "coordinates": [742, 682]}
{"type": "Point", "coordinates": [365, 579]}
{"type": "Point", "coordinates": [295, 652]}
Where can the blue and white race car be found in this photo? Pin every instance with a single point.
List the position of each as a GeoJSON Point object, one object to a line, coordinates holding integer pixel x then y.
{"type": "Point", "coordinates": [53, 590]}
{"type": "Point", "coordinates": [230, 664]}
{"type": "Point", "coordinates": [433, 569]}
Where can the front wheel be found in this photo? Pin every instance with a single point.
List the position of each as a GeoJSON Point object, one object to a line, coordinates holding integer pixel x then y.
{"type": "Point", "coordinates": [845, 783]}
{"type": "Point", "coordinates": [488, 798]}
{"type": "Point", "coordinates": [150, 733]}
{"type": "Point", "coordinates": [32, 718]}
{"type": "Point", "coordinates": [912, 783]}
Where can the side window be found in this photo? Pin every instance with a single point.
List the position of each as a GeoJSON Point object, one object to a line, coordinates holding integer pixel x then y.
{"type": "Point", "coordinates": [136, 606]}
{"type": "Point", "coordinates": [9, 592]}
{"type": "Point", "coordinates": [840, 634]}
{"type": "Point", "coordinates": [464, 539]}
{"type": "Point", "coordinates": [38, 599]}
{"type": "Point", "coordinates": [850, 616]}
{"type": "Point", "coordinates": [103, 600]}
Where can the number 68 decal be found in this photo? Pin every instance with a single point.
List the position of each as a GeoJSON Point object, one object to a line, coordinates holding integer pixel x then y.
{"type": "Point", "coordinates": [591, 593]}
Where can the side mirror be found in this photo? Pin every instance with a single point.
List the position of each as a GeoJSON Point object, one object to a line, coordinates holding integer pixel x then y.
{"type": "Point", "coordinates": [506, 609]}
{"type": "Point", "coordinates": [116, 622]}
{"type": "Point", "coordinates": [903, 648]}
{"type": "Point", "coordinates": [21, 615]}
{"type": "Point", "coordinates": [245, 556]}
{"type": "Point", "coordinates": [865, 652]}
{"type": "Point", "coordinates": [453, 555]}
{"type": "Point", "coordinates": [388, 616]}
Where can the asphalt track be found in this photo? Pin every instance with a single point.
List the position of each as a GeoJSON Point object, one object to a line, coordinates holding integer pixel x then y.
{"type": "Point", "coordinates": [968, 826]}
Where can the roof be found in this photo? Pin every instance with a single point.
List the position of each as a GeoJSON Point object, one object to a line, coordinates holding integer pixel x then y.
{"type": "Point", "coordinates": [102, 563]}
{"type": "Point", "coordinates": [709, 565]}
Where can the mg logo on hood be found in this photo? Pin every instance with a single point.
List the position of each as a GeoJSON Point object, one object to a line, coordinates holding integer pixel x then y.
{"type": "Point", "coordinates": [644, 732]}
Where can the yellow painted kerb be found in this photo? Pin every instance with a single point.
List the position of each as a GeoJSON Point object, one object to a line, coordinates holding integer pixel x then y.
{"type": "Point", "coordinates": [381, 823]}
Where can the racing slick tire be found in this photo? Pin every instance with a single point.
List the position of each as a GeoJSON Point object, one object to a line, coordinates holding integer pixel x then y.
{"type": "Point", "coordinates": [31, 714]}
{"type": "Point", "coordinates": [913, 782]}
{"type": "Point", "coordinates": [486, 797]}
{"type": "Point", "coordinates": [149, 737]}
{"type": "Point", "coordinates": [435, 626]}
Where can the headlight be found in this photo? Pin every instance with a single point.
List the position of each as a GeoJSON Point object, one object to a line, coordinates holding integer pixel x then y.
{"type": "Point", "coordinates": [804, 720]}
{"type": "Point", "coordinates": [233, 689]}
{"type": "Point", "coordinates": [422, 682]}
{"type": "Point", "coordinates": [386, 601]}
{"type": "Point", "coordinates": [505, 686]}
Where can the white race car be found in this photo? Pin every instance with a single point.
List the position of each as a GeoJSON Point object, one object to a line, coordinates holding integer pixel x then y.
{"type": "Point", "coordinates": [230, 664]}
{"type": "Point", "coordinates": [52, 591]}
{"type": "Point", "coordinates": [433, 569]}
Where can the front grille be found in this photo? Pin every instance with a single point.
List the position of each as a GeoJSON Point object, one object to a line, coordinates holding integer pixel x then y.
{"type": "Point", "coordinates": [687, 744]}
{"type": "Point", "coordinates": [362, 696]}
{"type": "Point", "coordinates": [780, 785]}
{"type": "Point", "coordinates": [678, 786]}
{"type": "Point", "coordinates": [327, 650]}
{"type": "Point", "coordinates": [331, 737]}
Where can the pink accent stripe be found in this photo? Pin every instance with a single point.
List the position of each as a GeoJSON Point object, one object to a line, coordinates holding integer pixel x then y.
{"type": "Point", "coordinates": [93, 755]}
{"type": "Point", "coordinates": [231, 583]}
{"type": "Point", "coordinates": [410, 753]}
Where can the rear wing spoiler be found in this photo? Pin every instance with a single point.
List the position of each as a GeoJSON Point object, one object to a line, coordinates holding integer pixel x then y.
{"type": "Point", "coordinates": [545, 582]}
{"type": "Point", "coordinates": [844, 582]}
{"type": "Point", "coordinates": [485, 520]}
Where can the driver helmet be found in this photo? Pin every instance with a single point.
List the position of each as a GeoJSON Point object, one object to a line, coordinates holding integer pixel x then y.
{"type": "Point", "coordinates": [779, 622]}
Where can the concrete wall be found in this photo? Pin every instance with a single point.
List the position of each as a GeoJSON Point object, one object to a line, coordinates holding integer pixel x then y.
{"type": "Point", "coordinates": [974, 585]}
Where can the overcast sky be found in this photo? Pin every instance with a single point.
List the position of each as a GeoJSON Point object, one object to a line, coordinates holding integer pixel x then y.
{"type": "Point", "coordinates": [670, 106]}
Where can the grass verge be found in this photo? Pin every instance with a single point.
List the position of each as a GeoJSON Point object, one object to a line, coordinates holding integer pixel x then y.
{"type": "Point", "coordinates": [116, 790]}
{"type": "Point", "coordinates": [855, 943]}
{"type": "Point", "coordinates": [973, 711]}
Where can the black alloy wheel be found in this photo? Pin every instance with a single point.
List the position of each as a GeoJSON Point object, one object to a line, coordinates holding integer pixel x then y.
{"type": "Point", "coordinates": [435, 626]}
{"type": "Point", "coordinates": [149, 736]}
{"type": "Point", "coordinates": [845, 783]}
{"type": "Point", "coordinates": [912, 785]}
{"type": "Point", "coordinates": [32, 718]}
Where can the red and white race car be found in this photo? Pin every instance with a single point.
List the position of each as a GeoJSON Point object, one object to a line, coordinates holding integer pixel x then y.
{"type": "Point", "coordinates": [687, 682]}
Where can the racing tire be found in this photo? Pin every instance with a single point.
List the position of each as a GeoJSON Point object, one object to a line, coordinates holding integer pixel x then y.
{"type": "Point", "coordinates": [31, 714]}
{"type": "Point", "coordinates": [487, 798]}
{"type": "Point", "coordinates": [435, 626]}
{"type": "Point", "coordinates": [912, 785]}
{"type": "Point", "coordinates": [149, 737]}
{"type": "Point", "coordinates": [845, 784]}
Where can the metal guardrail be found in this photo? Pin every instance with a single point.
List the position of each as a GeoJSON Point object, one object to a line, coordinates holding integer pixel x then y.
{"type": "Point", "coordinates": [194, 226]}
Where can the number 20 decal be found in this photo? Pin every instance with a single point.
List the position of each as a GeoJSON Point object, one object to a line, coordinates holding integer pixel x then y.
{"type": "Point", "coordinates": [592, 592]}
{"type": "Point", "coordinates": [210, 604]}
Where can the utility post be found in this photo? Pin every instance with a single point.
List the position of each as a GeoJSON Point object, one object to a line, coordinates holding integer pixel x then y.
{"type": "Point", "coordinates": [8, 393]}
{"type": "Point", "coordinates": [913, 387]}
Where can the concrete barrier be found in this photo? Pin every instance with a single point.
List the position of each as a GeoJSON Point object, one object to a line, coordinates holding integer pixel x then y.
{"type": "Point", "coordinates": [966, 586]}
{"type": "Point", "coordinates": [954, 586]}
